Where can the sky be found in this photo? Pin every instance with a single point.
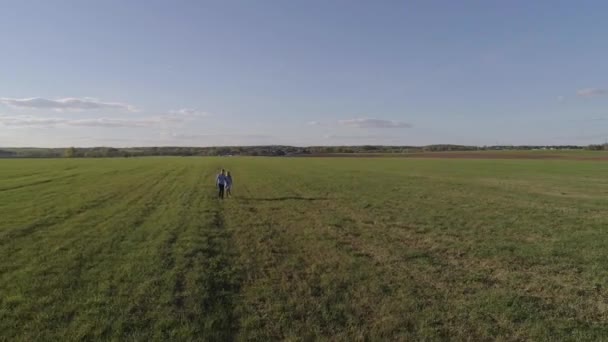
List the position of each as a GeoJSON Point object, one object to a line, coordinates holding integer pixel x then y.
{"type": "Point", "coordinates": [209, 73]}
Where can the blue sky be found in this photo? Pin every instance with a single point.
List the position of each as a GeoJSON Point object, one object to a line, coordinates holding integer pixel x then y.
{"type": "Point", "coordinates": [134, 73]}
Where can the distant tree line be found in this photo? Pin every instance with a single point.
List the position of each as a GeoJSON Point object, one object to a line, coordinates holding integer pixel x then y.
{"type": "Point", "coordinates": [272, 150]}
{"type": "Point", "coordinates": [7, 154]}
{"type": "Point", "coordinates": [602, 147]}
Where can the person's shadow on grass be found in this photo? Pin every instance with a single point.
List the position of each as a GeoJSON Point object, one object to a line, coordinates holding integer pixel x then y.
{"type": "Point", "coordinates": [284, 198]}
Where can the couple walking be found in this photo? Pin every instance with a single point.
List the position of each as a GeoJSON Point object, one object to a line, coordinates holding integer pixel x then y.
{"type": "Point", "coordinates": [224, 184]}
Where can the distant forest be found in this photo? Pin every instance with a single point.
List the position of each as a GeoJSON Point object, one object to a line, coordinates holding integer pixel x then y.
{"type": "Point", "coordinates": [278, 150]}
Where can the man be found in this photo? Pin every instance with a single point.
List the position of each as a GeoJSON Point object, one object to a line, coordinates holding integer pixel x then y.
{"type": "Point", "coordinates": [220, 181]}
{"type": "Point", "coordinates": [228, 187]}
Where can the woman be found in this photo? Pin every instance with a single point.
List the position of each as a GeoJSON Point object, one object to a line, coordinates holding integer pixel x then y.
{"type": "Point", "coordinates": [228, 184]}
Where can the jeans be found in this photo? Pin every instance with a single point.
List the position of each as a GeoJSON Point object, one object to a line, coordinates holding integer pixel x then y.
{"type": "Point", "coordinates": [221, 188]}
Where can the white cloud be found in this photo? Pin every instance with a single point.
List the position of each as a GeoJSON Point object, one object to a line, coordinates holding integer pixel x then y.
{"type": "Point", "coordinates": [69, 103]}
{"type": "Point", "coordinates": [313, 123]}
{"type": "Point", "coordinates": [366, 139]}
{"type": "Point", "coordinates": [30, 121]}
{"type": "Point", "coordinates": [356, 137]}
{"type": "Point", "coordinates": [26, 120]}
{"type": "Point", "coordinates": [106, 122]}
{"type": "Point", "coordinates": [182, 115]}
{"type": "Point", "coordinates": [592, 92]}
{"type": "Point", "coordinates": [217, 135]}
{"type": "Point", "coordinates": [374, 123]}
{"type": "Point", "coordinates": [216, 139]}
{"type": "Point", "coordinates": [189, 112]}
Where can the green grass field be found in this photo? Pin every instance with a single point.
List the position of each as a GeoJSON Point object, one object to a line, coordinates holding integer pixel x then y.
{"type": "Point", "coordinates": [328, 248]}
